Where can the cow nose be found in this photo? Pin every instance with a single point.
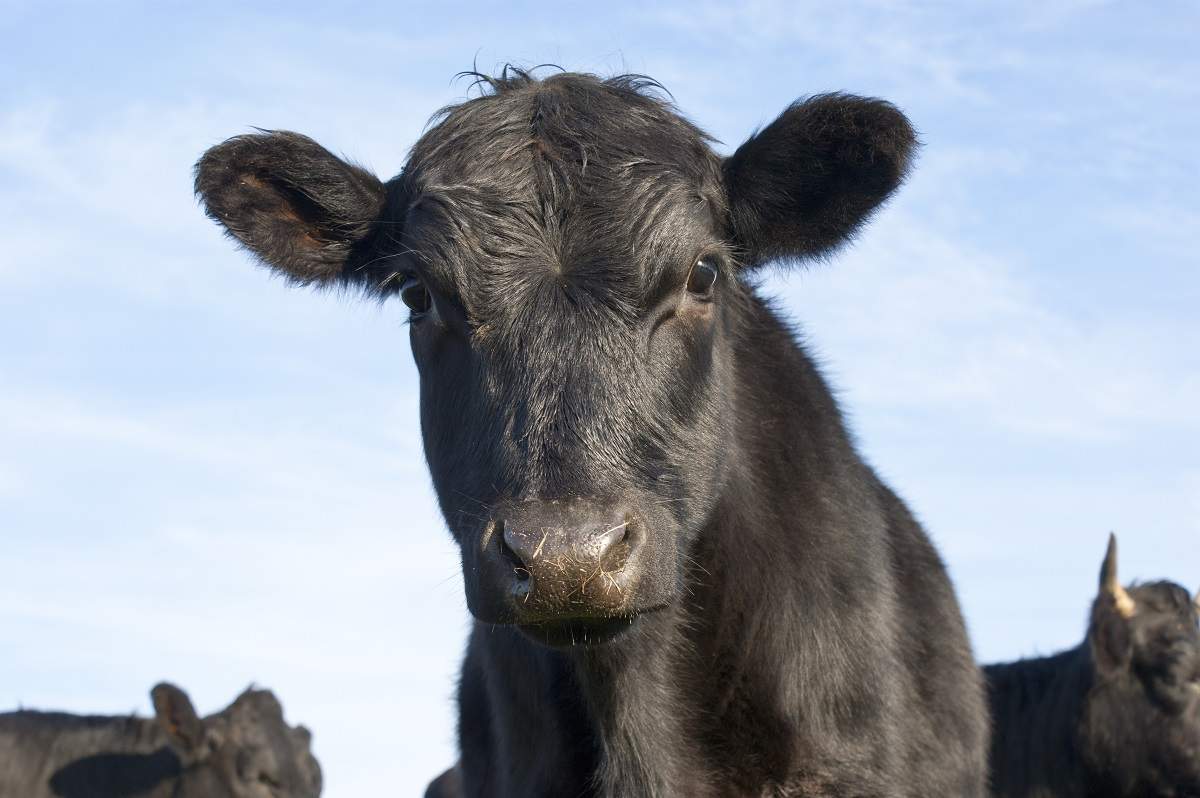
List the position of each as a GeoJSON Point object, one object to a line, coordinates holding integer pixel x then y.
{"type": "Point", "coordinates": [542, 549]}
{"type": "Point", "coordinates": [568, 560]}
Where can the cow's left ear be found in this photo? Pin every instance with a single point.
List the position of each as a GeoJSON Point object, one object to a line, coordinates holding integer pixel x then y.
{"type": "Point", "coordinates": [178, 719]}
{"type": "Point", "coordinates": [1109, 633]}
{"type": "Point", "coordinates": [298, 207]}
{"type": "Point", "coordinates": [805, 183]}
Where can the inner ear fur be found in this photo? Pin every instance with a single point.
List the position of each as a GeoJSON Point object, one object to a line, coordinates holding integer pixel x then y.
{"type": "Point", "coordinates": [805, 183]}
{"type": "Point", "coordinates": [178, 719]}
{"type": "Point", "coordinates": [298, 207]}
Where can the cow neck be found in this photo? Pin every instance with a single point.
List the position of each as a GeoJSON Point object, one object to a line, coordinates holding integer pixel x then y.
{"type": "Point", "coordinates": [1044, 699]}
{"type": "Point", "coordinates": [634, 688]}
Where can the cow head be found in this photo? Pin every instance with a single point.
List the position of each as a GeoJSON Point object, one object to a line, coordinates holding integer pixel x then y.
{"type": "Point", "coordinates": [574, 257]}
{"type": "Point", "coordinates": [245, 751]}
{"type": "Point", "coordinates": [1142, 716]}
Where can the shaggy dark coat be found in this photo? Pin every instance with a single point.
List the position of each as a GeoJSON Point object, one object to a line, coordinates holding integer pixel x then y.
{"type": "Point", "coordinates": [687, 582]}
{"type": "Point", "coordinates": [244, 751]}
{"type": "Point", "coordinates": [1117, 716]}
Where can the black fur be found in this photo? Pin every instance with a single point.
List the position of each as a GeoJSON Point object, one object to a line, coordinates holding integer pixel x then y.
{"type": "Point", "coordinates": [788, 627]}
{"type": "Point", "coordinates": [1116, 717]}
{"type": "Point", "coordinates": [804, 184]}
{"type": "Point", "coordinates": [291, 202]}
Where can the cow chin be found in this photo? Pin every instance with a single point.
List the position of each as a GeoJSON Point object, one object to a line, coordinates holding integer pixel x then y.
{"type": "Point", "coordinates": [574, 632]}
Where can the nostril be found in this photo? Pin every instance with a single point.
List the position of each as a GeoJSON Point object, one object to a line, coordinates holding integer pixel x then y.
{"type": "Point", "coordinates": [620, 543]}
{"type": "Point", "coordinates": [632, 529]}
{"type": "Point", "coordinates": [510, 555]}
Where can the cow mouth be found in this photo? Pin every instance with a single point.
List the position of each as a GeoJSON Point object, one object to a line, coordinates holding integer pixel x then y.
{"type": "Point", "coordinates": [571, 632]}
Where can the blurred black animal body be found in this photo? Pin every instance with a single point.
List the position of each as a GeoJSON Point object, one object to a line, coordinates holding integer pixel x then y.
{"type": "Point", "coordinates": [685, 580]}
{"type": "Point", "coordinates": [245, 751]}
{"type": "Point", "coordinates": [1117, 716]}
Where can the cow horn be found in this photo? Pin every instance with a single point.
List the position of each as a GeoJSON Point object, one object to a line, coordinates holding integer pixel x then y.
{"type": "Point", "coordinates": [1108, 580]}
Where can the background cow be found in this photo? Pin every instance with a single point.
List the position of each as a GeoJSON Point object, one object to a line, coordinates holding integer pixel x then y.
{"type": "Point", "coordinates": [1118, 715]}
{"type": "Point", "coordinates": [686, 580]}
{"type": "Point", "coordinates": [245, 751]}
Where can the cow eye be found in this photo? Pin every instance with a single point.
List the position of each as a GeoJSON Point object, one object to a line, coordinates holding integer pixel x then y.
{"type": "Point", "coordinates": [702, 278]}
{"type": "Point", "coordinates": [414, 294]}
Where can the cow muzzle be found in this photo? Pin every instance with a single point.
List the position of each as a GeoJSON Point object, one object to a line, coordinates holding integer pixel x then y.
{"type": "Point", "coordinates": [565, 571]}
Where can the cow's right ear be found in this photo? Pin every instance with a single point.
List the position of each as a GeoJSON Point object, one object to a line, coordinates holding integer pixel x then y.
{"type": "Point", "coordinates": [178, 719]}
{"type": "Point", "coordinates": [302, 210]}
{"type": "Point", "coordinates": [1109, 633]}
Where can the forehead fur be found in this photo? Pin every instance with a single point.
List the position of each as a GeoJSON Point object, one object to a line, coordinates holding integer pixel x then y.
{"type": "Point", "coordinates": [256, 705]}
{"type": "Point", "coordinates": [1163, 598]}
{"type": "Point", "coordinates": [591, 185]}
{"type": "Point", "coordinates": [562, 124]}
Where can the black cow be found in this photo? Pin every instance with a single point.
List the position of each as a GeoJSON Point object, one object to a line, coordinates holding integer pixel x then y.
{"type": "Point", "coordinates": [1118, 716]}
{"type": "Point", "coordinates": [686, 580]}
{"type": "Point", "coordinates": [245, 751]}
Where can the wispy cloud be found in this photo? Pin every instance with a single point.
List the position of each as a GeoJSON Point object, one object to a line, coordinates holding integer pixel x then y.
{"type": "Point", "coordinates": [926, 322]}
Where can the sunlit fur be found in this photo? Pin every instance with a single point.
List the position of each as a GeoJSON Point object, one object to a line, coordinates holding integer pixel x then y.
{"type": "Point", "coordinates": [1116, 717]}
{"type": "Point", "coordinates": [791, 631]}
{"type": "Point", "coordinates": [245, 751]}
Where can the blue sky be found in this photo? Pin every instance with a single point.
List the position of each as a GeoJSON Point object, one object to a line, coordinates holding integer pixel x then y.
{"type": "Point", "coordinates": [209, 477]}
